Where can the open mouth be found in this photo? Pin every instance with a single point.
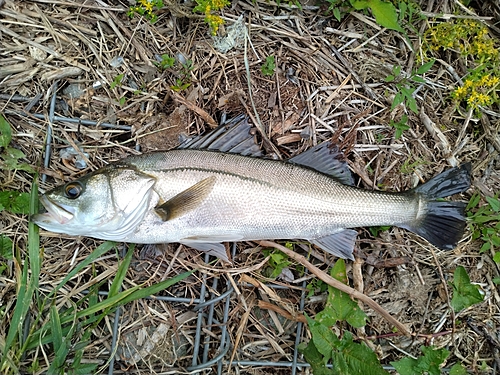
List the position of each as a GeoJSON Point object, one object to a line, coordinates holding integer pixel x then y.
{"type": "Point", "coordinates": [54, 213]}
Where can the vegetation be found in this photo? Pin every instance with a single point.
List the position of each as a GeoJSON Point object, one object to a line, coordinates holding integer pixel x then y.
{"type": "Point", "coordinates": [470, 38]}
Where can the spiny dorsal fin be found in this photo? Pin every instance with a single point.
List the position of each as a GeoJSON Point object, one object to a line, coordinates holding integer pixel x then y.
{"type": "Point", "coordinates": [234, 136]}
{"type": "Point", "coordinates": [326, 158]}
{"type": "Point", "coordinates": [186, 200]}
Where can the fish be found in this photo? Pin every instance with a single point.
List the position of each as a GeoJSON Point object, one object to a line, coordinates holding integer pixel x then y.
{"type": "Point", "coordinates": [219, 188]}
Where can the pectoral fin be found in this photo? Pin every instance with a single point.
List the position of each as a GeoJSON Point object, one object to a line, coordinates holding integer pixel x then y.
{"type": "Point", "coordinates": [340, 244]}
{"type": "Point", "coordinates": [186, 200]}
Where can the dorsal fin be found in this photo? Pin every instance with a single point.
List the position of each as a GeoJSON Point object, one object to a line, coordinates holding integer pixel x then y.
{"type": "Point", "coordinates": [326, 158]}
{"type": "Point", "coordinates": [234, 136]}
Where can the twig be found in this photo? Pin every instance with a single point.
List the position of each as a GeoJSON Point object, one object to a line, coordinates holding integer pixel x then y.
{"type": "Point", "coordinates": [339, 285]}
{"type": "Point", "coordinates": [201, 112]}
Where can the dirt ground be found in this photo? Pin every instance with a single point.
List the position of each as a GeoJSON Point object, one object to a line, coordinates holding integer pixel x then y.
{"type": "Point", "coordinates": [329, 83]}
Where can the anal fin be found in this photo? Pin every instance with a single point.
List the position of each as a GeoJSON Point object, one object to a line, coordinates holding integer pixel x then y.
{"type": "Point", "coordinates": [212, 248]}
{"type": "Point", "coordinates": [340, 244]}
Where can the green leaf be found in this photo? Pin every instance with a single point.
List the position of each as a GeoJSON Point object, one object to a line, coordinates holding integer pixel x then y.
{"type": "Point", "coordinates": [360, 4]}
{"type": "Point", "coordinates": [425, 67]}
{"type": "Point", "coordinates": [336, 14]}
{"type": "Point", "coordinates": [418, 79]}
{"type": "Point", "coordinates": [315, 359]}
{"type": "Point", "coordinates": [465, 294]}
{"type": "Point", "coordinates": [496, 257]}
{"type": "Point", "coordinates": [494, 203]}
{"type": "Point", "coordinates": [15, 201]}
{"type": "Point", "coordinates": [268, 67]}
{"type": "Point", "coordinates": [356, 359]}
{"type": "Point", "coordinates": [339, 306]}
{"type": "Point", "coordinates": [116, 82]}
{"type": "Point", "coordinates": [6, 247]}
{"type": "Point", "coordinates": [385, 14]}
{"type": "Point", "coordinates": [430, 363]}
{"type": "Point", "coordinates": [323, 338]}
{"type": "Point", "coordinates": [5, 132]}
{"type": "Point", "coordinates": [398, 99]}
{"type": "Point", "coordinates": [458, 369]}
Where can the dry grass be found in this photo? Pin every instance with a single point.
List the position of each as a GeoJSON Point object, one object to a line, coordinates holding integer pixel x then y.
{"type": "Point", "coordinates": [329, 81]}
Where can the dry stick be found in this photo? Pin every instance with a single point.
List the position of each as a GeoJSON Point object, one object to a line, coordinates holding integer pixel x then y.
{"type": "Point", "coordinates": [201, 112]}
{"type": "Point", "coordinates": [339, 285]}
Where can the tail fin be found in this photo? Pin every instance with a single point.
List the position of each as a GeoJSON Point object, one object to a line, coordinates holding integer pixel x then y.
{"type": "Point", "coordinates": [443, 223]}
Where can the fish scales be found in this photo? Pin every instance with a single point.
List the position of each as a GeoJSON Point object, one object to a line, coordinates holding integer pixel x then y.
{"type": "Point", "coordinates": [258, 198]}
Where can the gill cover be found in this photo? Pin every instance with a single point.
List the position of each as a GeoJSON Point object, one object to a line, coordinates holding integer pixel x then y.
{"type": "Point", "coordinates": [108, 203]}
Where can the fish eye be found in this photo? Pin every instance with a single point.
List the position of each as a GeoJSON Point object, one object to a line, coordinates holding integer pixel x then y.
{"type": "Point", "coordinates": [72, 190]}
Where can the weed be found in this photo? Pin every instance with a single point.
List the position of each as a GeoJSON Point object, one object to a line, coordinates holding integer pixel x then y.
{"type": "Point", "coordinates": [208, 7]}
{"type": "Point", "coordinates": [277, 262]}
{"type": "Point", "coordinates": [184, 80]}
{"type": "Point", "coordinates": [268, 67]}
{"type": "Point", "coordinates": [470, 38]}
{"type": "Point", "coordinates": [430, 363]}
{"type": "Point", "coordinates": [145, 8]}
{"type": "Point", "coordinates": [484, 222]}
{"type": "Point", "coordinates": [384, 12]}
{"type": "Point", "coordinates": [166, 62]}
{"type": "Point", "coordinates": [347, 356]}
{"type": "Point", "coordinates": [10, 156]}
{"type": "Point", "coordinates": [408, 167]}
{"type": "Point", "coordinates": [405, 85]}
{"type": "Point", "coordinates": [117, 82]}
{"type": "Point", "coordinates": [400, 126]}
{"type": "Point", "coordinates": [465, 293]}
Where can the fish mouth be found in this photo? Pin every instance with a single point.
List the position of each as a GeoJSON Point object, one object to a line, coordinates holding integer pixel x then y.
{"type": "Point", "coordinates": [55, 213]}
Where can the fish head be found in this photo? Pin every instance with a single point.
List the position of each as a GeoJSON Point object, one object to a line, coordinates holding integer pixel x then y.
{"type": "Point", "coordinates": [106, 204]}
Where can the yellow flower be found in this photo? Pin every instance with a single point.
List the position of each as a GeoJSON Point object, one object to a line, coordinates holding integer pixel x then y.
{"type": "Point", "coordinates": [460, 92]}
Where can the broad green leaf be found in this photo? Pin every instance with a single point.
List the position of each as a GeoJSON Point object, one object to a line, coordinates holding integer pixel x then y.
{"type": "Point", "coordinates": [15, 201]}
{"type": "Point", "coordinates": [315, 359]}
{"type": "Point", "coordinates": [494, 203]}
{"type": "Point", "coordinates": [356, 359]}
{"type": "Point", "coordinates": [385, 14]}
{"type": "Point", "coordinates": [339, 306]}
{"type": "Point", "coordinates": [323, 338]}
{"type": "Point", "coordinates": [430, 363]}
{"type": "Point", "coordinates": [412, 104]}
{"type": "Point", "coordinates": [458, 369]}
{"type": "Point", "coordinates": [425, 67]}
{"type": "Point", "coordinates": [406, 366]}
{"type": "Point", "coordinates": [360, 4]}
{"type": "Point", "coordinates": [465, 294]}
{"type": "Point", "coordinates": [5, 132]}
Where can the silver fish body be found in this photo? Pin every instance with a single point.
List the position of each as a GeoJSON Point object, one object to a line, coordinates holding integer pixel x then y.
{"type": "Point", "coordinates": [242, 198]}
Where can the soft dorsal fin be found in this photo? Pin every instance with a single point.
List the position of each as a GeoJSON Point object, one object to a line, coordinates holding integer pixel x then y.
{"type": "Point", "coordinates": [186, 200]}
{"type": "Point", "coordinates": [234, 136]}
{"type": "Point", "coordinates": [326, 158]}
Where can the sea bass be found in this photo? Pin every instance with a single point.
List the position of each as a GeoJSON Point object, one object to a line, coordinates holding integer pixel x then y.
{"type": "Point", "coordinates": [206, 192]}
